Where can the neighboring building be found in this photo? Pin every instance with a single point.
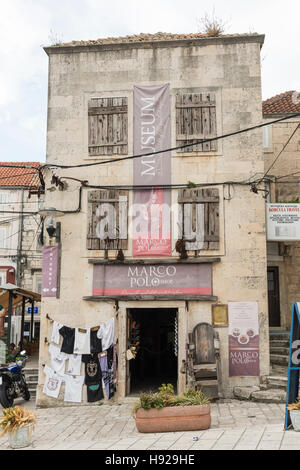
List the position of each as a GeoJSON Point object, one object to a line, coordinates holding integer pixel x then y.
{"type": "Point", "coordinates": [100, 108]}
{"type": "Point", "coordinates": [20, 229]}
{"type": "Point", "coordinates": [284, 256]}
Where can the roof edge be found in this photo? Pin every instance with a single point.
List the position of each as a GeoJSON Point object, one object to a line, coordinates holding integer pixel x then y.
{"type": "Point", "coordinates": [203, 41]}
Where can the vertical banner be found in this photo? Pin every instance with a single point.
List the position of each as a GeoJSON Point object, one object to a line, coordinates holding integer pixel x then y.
{"type": "Point", "coordinates": [243, 339]}
{"type": "Point", "coordinates": [152, 207]}
{"type": "Point", "coordinates": [50, 271]}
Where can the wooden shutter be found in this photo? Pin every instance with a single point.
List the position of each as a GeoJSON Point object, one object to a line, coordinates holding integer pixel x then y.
{"type": "Point", "coordinates": [107, 123]}
{"type": "Point", "coordinates": [196, 120]}
{"type": "Point", "coordinates": [107, 209]}
{"type": "Point", "coordinates": [199, 218]}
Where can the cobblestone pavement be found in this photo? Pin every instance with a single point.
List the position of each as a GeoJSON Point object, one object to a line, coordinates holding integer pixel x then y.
{"type": "Point", "coordinates": [236, 425]}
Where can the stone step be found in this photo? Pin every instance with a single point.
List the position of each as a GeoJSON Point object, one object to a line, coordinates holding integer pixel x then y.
{"type": "Point", "coordinates": [277, 343]}
{"type": "Point", "coordinates": [277, 382]}
{"type": "Point", "coordinates": [282, 336]}
{"type": "Point", "coordinates": [279, 350]}
{"type": "Point", "coordinates": [278, 359]}
{"type": "Point", "coordinates": [279, 370]}
{"type": "Point", "coordinates": [272, 395]}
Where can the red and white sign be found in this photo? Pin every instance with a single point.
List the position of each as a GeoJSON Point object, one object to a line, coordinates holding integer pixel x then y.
{"type": "Point", "coordinates": [243, 339]}
{"type": "Point", "coordinates": [195, 279]}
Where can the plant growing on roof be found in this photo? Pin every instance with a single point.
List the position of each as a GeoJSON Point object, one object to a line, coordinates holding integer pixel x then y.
{"type": "Point", "coordinates": [211, 25]}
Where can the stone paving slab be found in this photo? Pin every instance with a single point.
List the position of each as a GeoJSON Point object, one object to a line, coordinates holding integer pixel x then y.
{"type": "Point", "coordinates": [236, 425]}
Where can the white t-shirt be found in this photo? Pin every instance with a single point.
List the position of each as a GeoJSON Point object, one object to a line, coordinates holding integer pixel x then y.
{"type": "Point", "coordinates": [74, 365]}
{"type": "Point", "coordinates": [52, 383]}
{"type": "Point", "coordinates": [73, 390]}
{"type": "Point", "coordinates": [82, 344]}
{"type": "Point", "coordinates": [58, 359]}
{"type": "Point", "coordinates": [106, 333]}
{"type": "Point", "coordinates": [55, 336]}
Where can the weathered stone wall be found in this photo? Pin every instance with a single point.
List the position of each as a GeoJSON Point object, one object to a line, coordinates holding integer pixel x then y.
{"type": "Point", "coordinates": [230, 69]}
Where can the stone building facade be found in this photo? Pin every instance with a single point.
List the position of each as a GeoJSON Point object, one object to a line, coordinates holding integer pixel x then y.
{"type": "Point", "coordinates": [20, 229]}
{"type": "Point", "coordinates": [210, 87]}
{"type": "Point", "coordinates": [283, 257]}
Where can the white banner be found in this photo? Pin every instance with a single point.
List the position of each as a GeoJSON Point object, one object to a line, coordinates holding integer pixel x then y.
{"type": "Point", "coordinates": [283, 222]}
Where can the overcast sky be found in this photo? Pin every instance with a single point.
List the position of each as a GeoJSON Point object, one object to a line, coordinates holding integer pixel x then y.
{"type": "Point", "coordinates": [27, 25]}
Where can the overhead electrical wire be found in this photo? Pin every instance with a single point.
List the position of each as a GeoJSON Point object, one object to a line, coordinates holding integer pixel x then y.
{"type": "Point", "coordinates": [211, 139]}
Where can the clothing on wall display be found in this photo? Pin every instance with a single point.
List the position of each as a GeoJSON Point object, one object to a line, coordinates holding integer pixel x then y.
{"type": "Point", "coordinates": [74, 364]}
{"type": "Point", "coordinates": [58, 359]}
{"type": "Point", "coordinates": [82, 343]}
{"type": "Point", "coordinates": [106, 333]}
{"type": "Point", "coordinates": [52, 383]}
{"type": "Point", "coordinates": [94, 392]}
{"type": "Point", "coordinates": [73, 389]}
{"type": "Point", "coordinates": [55, 338]}
{"type": "Point", "coordinates": [68, 335]}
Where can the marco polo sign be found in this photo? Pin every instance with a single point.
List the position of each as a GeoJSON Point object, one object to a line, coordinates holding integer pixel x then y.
{"type": "Point", "coordinates": [158, 279]}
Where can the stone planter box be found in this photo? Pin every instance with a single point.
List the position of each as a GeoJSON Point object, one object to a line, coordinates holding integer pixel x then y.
{"type": "Point", "coordinates": [22, 438]}
{"type": "Point", "coordinates": [173, 418]}
{"type": "Point", "coordinates": [295, 418]}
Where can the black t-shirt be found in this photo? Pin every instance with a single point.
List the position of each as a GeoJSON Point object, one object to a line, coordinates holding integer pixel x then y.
{"type": "Point", "coordinates": [92, 369]}
{"type": "Point", "coordinates": [94, 392]}
{"type": "Point", "coordinates": [96, 343]}
{"type": "Point", "coordinates": [68, 335]}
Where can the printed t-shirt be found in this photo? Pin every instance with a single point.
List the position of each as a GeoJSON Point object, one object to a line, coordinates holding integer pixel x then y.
{"type": "Point", "coordinates": [68, 335]}
{"type": "Point", "coordinates": [52, 383]}
{"type": "Point", "coordinates": [106, 333]}
{"type": "Point", "coordinates": [74, 364]}
{"type": "Point", "coordinates": [55, 338]}
{"type": "Point", "coordinates": [82, 344]}
{"type": "Point", "coordinates": [73, 389]}
{"type": "Point", "coordinates": [92, 369]}
{"type": "Point", "coordinates": [58, 359]}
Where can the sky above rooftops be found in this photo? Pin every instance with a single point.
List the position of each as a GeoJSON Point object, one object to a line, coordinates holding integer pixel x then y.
{"type": "Point", "coordinates": [28, 25]}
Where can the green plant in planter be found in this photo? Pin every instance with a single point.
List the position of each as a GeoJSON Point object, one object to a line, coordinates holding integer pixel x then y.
{"type": "Point", "coordinates": [166, 397]}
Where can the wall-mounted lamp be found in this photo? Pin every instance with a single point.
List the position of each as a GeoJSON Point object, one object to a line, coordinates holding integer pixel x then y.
{"type": "Point", "coordinates": [53, 228]}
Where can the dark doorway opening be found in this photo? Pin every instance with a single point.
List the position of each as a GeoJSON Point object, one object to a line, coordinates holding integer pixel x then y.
{"type": "Point", "coordinates": [155, 331]}
{"type": "Point", "coordinates": [273, 296]}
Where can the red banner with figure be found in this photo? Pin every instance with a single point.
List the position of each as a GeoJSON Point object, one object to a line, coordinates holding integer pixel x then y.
{"type": "Point", "coordinates": [152, 207]}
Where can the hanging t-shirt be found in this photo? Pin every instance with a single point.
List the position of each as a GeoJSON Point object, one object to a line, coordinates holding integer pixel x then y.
{"type": "Point", "coordinates": [107, 372]}
{"type": "Point", "coordinates": [107, 333]}
{"type": "Point", "coordinates": [94, 392]}
{"type": "Point", "coordinates": [74, 364]}
{"type": "Point", "coordinates": [96, 343]}
{"type": "Point", "coordinates": [82, 344]}
{"type": "Point", "coordinates": [92, 368]}
{"type": "Point", "coordinates": [55, 338]}
{"type": "Point", "coordinates": [68, 335]}
{"type": "Point", "coordinates": [73, 389]}
{"type": "Point", "coordinates": [52, 383]}
{"type": "Point", "coordinates": [58, 359]}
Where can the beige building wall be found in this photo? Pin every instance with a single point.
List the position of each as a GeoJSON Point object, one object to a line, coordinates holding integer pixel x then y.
{"type": "Point", "coordinates": [285, 255]}
{"type": "Point", "coordinates": [229, 67]}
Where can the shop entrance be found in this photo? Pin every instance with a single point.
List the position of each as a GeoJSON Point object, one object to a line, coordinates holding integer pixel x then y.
{"type": "Point", "coordinates": [154, 332]}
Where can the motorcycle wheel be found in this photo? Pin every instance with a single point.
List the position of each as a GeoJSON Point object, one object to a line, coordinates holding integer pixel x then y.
{"type": "Point", "coordinates": [5, 399]}
{"type": "Point", "coordinates": [26, 393]}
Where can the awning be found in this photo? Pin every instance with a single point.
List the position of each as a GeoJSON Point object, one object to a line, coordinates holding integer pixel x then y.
{"type": "Point", "coordinates": [18, 295]}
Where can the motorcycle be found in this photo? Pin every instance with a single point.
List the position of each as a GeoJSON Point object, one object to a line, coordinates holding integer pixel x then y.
{"type": "Point", "coordinates": [12, 381]}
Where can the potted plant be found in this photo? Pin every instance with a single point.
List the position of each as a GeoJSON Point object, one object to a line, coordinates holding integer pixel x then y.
{"type": "Point", "coordinates": [164, 411]}
{"type": "Point", "coordinates": [19, 424]}
{"type": "Point", "coordinates": [294, 409]}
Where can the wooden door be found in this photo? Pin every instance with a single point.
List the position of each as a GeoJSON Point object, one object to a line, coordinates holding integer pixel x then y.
{"type": "Point", "coordinates": [273, 296]}
{"type": "Point", "coordinates": [203, 335]}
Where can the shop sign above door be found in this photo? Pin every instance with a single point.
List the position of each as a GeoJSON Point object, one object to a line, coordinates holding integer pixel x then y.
{"type": "Point", "coordinates": [150, 279]}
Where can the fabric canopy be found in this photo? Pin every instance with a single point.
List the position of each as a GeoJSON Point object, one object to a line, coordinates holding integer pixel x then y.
{"type": "Point", "coordinates": [18, 295]}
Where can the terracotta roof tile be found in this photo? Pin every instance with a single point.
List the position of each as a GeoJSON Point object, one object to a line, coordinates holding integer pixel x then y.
{"type": "Point", "coordinates": [284, 103]}
{"type": "Point", "coordinates": [26, 177]}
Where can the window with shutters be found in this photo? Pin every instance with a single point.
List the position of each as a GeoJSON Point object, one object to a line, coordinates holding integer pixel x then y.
{"type": "Point", "coordinates": [107, 220]}
{"type": "Point", "coordinates": [199, 218]}
{"type": "Point", "coordinates": [196, 120]}
{"type": "Point", "coordinates": [107, 126]}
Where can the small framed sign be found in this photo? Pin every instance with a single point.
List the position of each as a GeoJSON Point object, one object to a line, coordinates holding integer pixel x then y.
{"type": "Point", "coordinates": [220, 315]}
